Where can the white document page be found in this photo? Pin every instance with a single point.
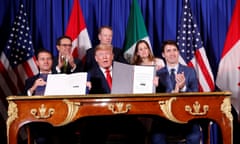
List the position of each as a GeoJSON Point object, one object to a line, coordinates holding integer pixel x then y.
{"type": "Point", "coordinates": [132, 78]}
{"type": "Point", "coordinates": [143, 79]}
{"type": "Point", "coordinates": [66, 84]}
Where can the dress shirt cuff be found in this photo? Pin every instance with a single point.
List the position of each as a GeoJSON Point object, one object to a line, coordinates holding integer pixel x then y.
{"type": "Point", "coordinates": [183, 89]}
{"type": "Point", "coordinates": [74, 67]}
{"type": "Point", "coordinates": [58, 70]}
{"type": "Point", "coordinates": [29, 93]}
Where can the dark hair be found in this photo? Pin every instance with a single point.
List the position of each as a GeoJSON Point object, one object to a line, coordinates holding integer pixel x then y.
{"type": "Point", "coordinates": [62, 37]}
{"type": "Point", "coordinates": [43, 50]}
{"type": "Point", "coordinates": [136, 60]}
{"type": "Point", "coordinates": [104, 27]}
{"type": "Point", "coordinates": [169, 42]}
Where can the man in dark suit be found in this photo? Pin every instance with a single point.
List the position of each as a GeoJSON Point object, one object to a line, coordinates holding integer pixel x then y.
{"type": "Point", "coordinates": [97, 129]}
{"type": "Point", "coordinates": [64, 62]}
{"type": "Point", "coordinates": [174, 78]}
{"type": "Point", "coordinates": [41, 133]}
{"type": "Point", "coordinates": [98, 74]}
{"type": "Point", "coordinates": [105, 37]}
{"type": "Point", "coordinates": [36, 85]}
{"type": "Point", "coordinates": [44, 133]}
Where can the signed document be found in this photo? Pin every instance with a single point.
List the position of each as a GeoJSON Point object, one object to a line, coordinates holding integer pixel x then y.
{"type": "Point", "coordinates": [132, 78]}
{"type": "Point", "coordinates": [66, 84]}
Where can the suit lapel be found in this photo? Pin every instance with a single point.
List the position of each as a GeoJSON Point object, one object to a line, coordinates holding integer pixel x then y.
{"type": "Point", "coordinates": [103, 80]}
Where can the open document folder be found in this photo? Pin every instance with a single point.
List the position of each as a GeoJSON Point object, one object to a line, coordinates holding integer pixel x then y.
{"type": "Point", "coordinates": [132, 78]}
{"type": "Point", "coordinates": [66, 84]}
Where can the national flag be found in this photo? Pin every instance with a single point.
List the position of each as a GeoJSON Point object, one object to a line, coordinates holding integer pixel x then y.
{"type": "Point", "coordinates": [17, 60]}
{"type": "Point", "coordinates": [136, 31]}
{"type": "Point", "coordinates": [192, 50]}
{"type": "Point", "coordinates": [77, 30]}
{"type": "Point", "coordinates": [228, 76]}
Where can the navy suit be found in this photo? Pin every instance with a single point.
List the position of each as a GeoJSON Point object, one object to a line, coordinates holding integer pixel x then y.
{"type": "Point", "coordinates": [99, 82]}
{"type": "Point", "coordinates": [91, 62]}
{"type": "Point", "coordinates": [30, 81]}
{"type": "Point", "coordinates": [165, 84]}
{"type": "Point", "coordinates": [162, 127]}
{"type": "Point", "coordinates": [79, 66]}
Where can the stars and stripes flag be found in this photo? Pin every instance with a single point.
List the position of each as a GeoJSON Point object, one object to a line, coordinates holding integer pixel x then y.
{"type": "Point", "coordinates": [77, 30]}
{"type": "Point", "coordinates": [228, 76]}
{"type": "Point", "coordinates": [17, 61]}
{"type": "Point", "coordinates": [192, 50]}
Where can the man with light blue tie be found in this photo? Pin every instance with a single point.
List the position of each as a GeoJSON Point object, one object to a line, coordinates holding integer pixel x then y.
{"type": "Point", "coordinates": [173, 78]}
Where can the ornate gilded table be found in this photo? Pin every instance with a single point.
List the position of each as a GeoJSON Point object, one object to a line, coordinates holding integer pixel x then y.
{"type": "Point", "coordinates": [177, 107]}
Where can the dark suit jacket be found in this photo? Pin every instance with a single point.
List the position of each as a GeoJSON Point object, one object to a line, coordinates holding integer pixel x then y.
{"type": "Point", "coordinates": [91, 62]}
{"type": "Point", "coordinates": [99, 82]}
{"type": "Point", "coordinates": [79, 66]}
{"type": "Point", "coordinates": [30, 81]}
{"type": "Point", "coordinates": [165, 82]}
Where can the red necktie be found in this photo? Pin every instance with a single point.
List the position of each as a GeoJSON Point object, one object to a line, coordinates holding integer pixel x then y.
{"type": "Point", "coordinates": [109, 78]}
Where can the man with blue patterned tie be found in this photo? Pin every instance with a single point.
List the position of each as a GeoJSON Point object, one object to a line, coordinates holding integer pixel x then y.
{"type": "Point", "coordinates": [42, 133]}
{"type": "Point", "coordinates": [175, 77]}
{"type": "Point", "coordinates": [36, 84]}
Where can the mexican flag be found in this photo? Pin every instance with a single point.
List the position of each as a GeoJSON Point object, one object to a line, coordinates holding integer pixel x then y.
{"type": "Point", "coordinates": [136, 31]}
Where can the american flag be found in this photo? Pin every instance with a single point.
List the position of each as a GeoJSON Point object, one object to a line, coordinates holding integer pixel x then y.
{"type": "Point", "coordinates": [191, 49]}
{"type": "Point", "coordinates": [17, 61]}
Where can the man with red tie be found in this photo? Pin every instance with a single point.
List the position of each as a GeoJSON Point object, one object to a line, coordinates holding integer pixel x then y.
{"type": "Point", "coordinates": [101, 75]}
{"type": "Point", "coordinates": [99, 128]}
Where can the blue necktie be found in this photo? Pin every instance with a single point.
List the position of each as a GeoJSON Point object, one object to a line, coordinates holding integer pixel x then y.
{"type": "Point", "coordinates": [172, 77]}
{"type": "Point", "coordinates": [41, 89]}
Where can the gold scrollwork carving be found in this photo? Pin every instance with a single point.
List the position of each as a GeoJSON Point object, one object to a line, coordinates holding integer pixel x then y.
{"type": "Point", "coordinates": [166, 107]}
{"type": "Point", "coordinates": [12, 114]}
{"type": "Point", "coordinates": [72, 111]}
{"type": "Point", "coordinates": [41, 112]}
{"type": "Point", "coordinates": [119, 108]}
{"type": "Point", "coordinates": [196, 109]}
{"type": "Point", "coordinates": [226, 108]}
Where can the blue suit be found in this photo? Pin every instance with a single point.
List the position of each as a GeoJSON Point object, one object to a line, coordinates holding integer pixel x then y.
{"type": "Point", "coordinates": [161, 127]}
{"type": "Point", "coordinates": [99, 82]}
{"type": "Point", "coordinates": [165, 84]}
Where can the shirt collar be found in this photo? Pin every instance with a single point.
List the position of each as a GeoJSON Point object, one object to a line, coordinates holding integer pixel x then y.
{"type": "Point", "coordinates": [175, 67]}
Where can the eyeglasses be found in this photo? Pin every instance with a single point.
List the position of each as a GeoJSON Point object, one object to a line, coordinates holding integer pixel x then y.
{"type": "Point", "coordinates": [66, 45]}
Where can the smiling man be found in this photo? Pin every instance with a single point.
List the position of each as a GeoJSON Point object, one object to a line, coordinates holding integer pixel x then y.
{"type": "Point", "coordinates": [64, 62]}
{"type": "Point", "coordinates": [36, 84]}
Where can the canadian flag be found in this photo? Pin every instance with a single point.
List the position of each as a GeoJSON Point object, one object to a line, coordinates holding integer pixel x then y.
{"type": "Point", "coordinates": [77, 30]}
{"type": "Point", "coordinates": [228, 77]}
